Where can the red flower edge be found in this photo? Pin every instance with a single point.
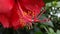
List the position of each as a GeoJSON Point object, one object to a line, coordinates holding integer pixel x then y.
{"type": "Point", "coordinates": [19, 13]}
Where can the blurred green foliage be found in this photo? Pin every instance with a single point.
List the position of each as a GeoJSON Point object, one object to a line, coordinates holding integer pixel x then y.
{"type": "Point", "coordinates": [46, 1]}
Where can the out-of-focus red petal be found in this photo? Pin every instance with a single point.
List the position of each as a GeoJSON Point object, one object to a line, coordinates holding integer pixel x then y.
{"type": "Point", "coordinates": [14, 17]}
{"type": "Point", "coordinates": [6, 5]}
{"type": "Point", "coordinates": [4, 21]}
{"type": "Point", "coordinates": [5, 12]}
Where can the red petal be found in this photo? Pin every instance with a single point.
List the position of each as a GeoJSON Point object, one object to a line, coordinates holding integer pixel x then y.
{"type": "Point", "coordinates": [15, 18]}
{"type": "Point", "coordinates": [6, 5]}
{"type": "Point", "coordinates": [4, 21]}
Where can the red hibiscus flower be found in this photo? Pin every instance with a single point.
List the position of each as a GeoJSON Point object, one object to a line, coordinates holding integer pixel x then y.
{"type": "Point", "coordinates": [19, 13]}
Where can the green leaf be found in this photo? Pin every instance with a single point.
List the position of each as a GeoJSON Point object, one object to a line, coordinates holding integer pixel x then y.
{"type": "Point", "coordinates": [54, 3]}
{"type": "Point", "coordinates": [58, 4]}
{"type": "Point", "coordinates": [49, 23]}
{"type": "Point", "coordinates": [46, 1]}
{"type": "Point", "coordinates": [58, 32]}
{"type": "Point", "coordinates": [38, 32]}
{"type": "Point", "coordinates": [51, 31]}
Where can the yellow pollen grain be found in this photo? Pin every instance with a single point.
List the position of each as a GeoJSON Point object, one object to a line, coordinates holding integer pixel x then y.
{"type": "Point", "coordinates": [31, 13]}
{"type": "Point", "coordinates": [25, 13]}
{"type": "Point", "coordinates": [22, 22]}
